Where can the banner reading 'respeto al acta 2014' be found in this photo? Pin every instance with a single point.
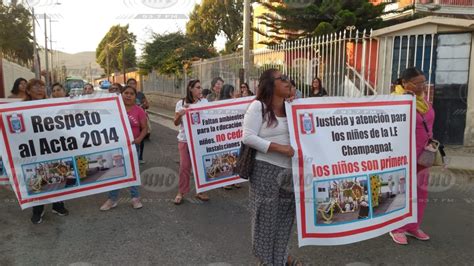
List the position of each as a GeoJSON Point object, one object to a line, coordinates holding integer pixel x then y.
{"type": "Point", "coordinates": [355, 168]}
{"type": "Point", "coordinates": [3, 175]}
{"type": "Point", "coordinates": [214, 133]}
{"type": "Point", "coordinates": [59, 149]}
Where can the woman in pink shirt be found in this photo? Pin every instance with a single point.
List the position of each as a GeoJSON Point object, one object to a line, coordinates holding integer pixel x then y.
{"type": "Point", "coordinates": [413, 81]}
{"type": "Point", "coordinates": [138, 123]}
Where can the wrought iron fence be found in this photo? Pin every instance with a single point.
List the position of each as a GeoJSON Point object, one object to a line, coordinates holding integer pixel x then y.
{"type": "Point", "coordinates": [349, 63]}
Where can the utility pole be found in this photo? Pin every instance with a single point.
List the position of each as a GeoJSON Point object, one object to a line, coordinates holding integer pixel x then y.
{"type": "Point", "coordinates": [46, 52]}
{"type": "Point", "coordinates": [246, 52]}
{"type": "Point", "coordinates": [123, 63]}
{"type": "Point", "coordinates": [107, 61]}
{"type": "Point", "coordinates": [35, 49]}
{"type": "Point", "coordinates": [52, 51]}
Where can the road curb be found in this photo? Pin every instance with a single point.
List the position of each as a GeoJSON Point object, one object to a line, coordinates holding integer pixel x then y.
{"type": "Point", "coordinates": [161, 114]}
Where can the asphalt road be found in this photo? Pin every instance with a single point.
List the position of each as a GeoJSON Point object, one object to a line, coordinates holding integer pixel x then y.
{"type": "Point", "coordinates": [216, 232]}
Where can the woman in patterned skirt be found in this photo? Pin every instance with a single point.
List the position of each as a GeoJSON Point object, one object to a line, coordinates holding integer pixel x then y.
{"type": "Point", "coordinates": [271, 196]}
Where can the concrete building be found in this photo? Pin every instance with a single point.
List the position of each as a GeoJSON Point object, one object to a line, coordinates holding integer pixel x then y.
{"type": "Point", "coordinates": [444, 49]}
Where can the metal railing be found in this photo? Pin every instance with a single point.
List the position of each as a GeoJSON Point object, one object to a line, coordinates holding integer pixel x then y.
{"type": "Point", "coordinates": [460, 3]}
{"type": "Point", "coordinates": [349, 62]}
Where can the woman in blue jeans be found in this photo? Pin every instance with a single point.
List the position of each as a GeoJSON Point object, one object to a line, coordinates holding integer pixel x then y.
{"type": "Point", "coordinates": [36, 90]}
{"type": "Point", "coordinates": [138, 123]}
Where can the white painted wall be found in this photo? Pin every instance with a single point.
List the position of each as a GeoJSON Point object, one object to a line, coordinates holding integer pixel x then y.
{"type": "Point", "coordinates": [11, 72]}
{"type": "Point", "coordinates": [453, 58]}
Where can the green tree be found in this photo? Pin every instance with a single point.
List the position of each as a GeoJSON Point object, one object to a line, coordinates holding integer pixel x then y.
{"type": "Point", "coordinates": [317, 17]}
{"type": "Point", "coordinates": [109, 51]}
{"type": "Point", "coordinates": [16, 40]}
{"type": "Point", "coordinates": [212, 18]}
{"type": "Point", "coordinates": [169, 53]}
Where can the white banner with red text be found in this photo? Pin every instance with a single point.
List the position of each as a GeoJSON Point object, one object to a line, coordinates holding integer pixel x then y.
{"type": "Point", "coordinates": [60, 149]}
{"type": "Point", "coordinates": [354, 169]}
{"type": "Point", "coordinates": [214, 133]}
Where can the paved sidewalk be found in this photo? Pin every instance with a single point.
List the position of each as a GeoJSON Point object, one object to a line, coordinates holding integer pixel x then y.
{"type": "Point", "coordinates": [165, 113]}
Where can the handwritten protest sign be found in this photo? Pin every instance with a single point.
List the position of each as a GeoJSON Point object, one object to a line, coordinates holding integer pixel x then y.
{"type": "Point", "coordinates": [3, 174]}
{"type": "Point", "coordinates": [63, 148]}
{"type": "Point", "coordinates": [355, 167]}
{"type": "Point", "coordinates": [214, 133]}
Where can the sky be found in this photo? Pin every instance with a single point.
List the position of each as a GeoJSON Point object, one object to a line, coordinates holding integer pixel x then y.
{"type": "Point", "coordinates": [79, 25]}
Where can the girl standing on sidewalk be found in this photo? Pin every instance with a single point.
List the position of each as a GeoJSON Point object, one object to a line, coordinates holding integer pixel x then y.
{"type": "Point", "coordinates": [413, 81]}
{"type": "Point", "coordinates": [138, 122]}
{"type": "Point", "coordinates": [193, 94]}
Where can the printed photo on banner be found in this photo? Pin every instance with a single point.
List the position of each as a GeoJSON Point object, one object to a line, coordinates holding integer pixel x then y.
{"type": "Point", "coordinates": [342, 200]}
{"type": "Point", "coordinates": [60, 149]}
{"type": "Point", "coordinates": [50, 176]}
{"type": "Point", "coordinates": [220, 165]}
{"type": "Point", "coordinates": [3, 174]}
{"type": "Point", "coordinates": [214, 132]}
{"type": "Point", "coordinates": [101, 166]}
{"type": "Point", "coordinates": [355, 169]}
{"type": "Point", "coordinates": [388, 191]}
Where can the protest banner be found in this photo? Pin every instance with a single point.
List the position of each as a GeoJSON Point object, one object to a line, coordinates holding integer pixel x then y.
{"type": "Point", "coordinates": [3, 174]}
{"type": "Point", "coordinates": [59, 149]}
{"type": "Point", "coordinates": [214, 133]}
{"type": "Point", "coordinates": [354, 169]}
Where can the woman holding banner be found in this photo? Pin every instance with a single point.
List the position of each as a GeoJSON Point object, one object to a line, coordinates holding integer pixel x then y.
{"type": "Point", "coordinates": [35, 90]}
{"type": "Point", "coordinates": [193, 95]}
{"type": "Point", "coordinates": [413, 81]}
{"type": "Point", "coordinates": [229, 92]}
{"type": "Point", "coordinates": [271, 196]}
{"type": "Point", "coordinates": [139, 125]}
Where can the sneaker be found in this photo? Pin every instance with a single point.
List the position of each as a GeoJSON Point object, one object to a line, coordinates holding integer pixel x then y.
{"type": "Point", "coordinates": [142, 161]}
{"type": "Point", "coordinates": [418, 234]}
{"type": "Point", "coordinates": [37, 218]}
{"type": "Point", "coordinates": [61, 211]}
{"type": "Point", "coordinates": [399, 238]}
{"type": "Point", "coordinates": [109, 204]}
{"type": "Point", "coordinates": [136, 203]}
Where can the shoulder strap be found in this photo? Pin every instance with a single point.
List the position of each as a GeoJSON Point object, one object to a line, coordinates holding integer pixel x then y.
{"type": "Point", "coordinates": [424, 123]}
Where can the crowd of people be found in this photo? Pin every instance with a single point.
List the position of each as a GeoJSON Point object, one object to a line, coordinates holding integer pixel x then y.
{"type": "Point", "coordinates": [265, 129]}
{"type": "Point", "coordinates": [135, 104]}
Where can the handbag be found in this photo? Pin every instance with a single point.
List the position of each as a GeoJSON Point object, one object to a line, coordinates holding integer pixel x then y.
{"type": "Point", "coordinates": [433, 153]}
{"type": "Point", "coordinates": [246, 160]}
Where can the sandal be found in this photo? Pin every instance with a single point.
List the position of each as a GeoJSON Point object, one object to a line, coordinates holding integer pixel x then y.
{"type": "Point", "coordinates": [178, 199]}
{"type": "Point", "coordinates": [202, 196]}
{"type": "Point", "coordinates": [227, 187]}
{"type": "Point", "coordinates": [237, 186]}
{"type": "Point", "coordinates": [293, 262]}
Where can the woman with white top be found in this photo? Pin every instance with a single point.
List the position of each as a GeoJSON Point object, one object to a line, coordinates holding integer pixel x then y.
{"type": "Point", "coordinates": [271, 197]}
{"type": "Point", "coordinates": [193, 95]}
